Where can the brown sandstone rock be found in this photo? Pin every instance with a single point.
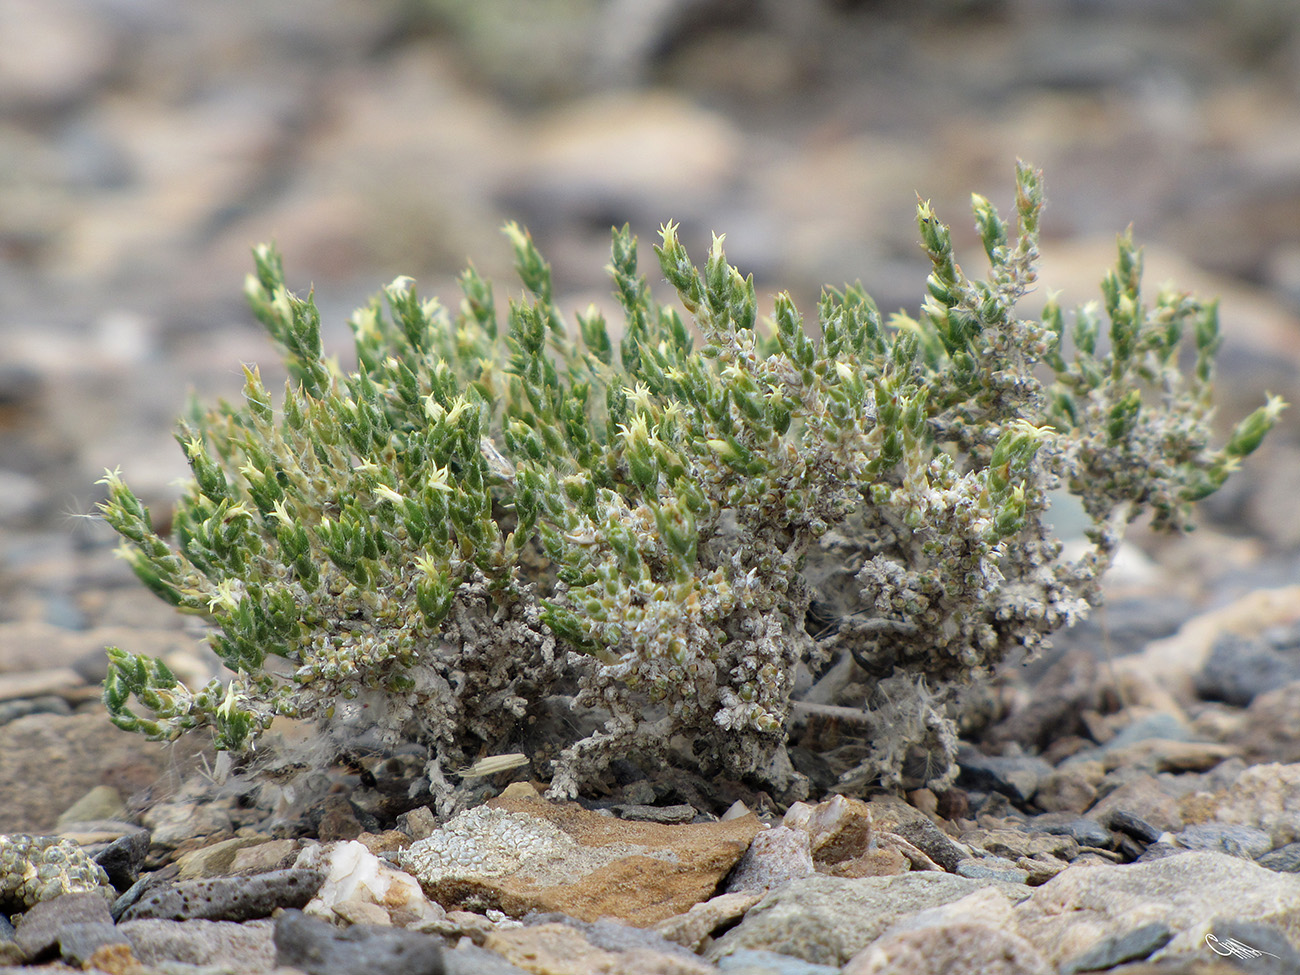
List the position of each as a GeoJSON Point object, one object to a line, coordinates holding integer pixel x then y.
{"type": "Point", "coordinates": [519, 855]}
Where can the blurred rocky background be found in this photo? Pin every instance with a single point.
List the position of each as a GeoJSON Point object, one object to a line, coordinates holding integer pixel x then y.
{"type": "Point", "coordinates": [146, 145]}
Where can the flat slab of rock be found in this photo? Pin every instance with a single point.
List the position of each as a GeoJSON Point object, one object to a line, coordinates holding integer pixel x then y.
{"type": "Point", "coordinates": [520, 855]}
{"type": "Point", "coordinates": [828, 920]}
{"type": "Point", "coordinates": [1083, 906]}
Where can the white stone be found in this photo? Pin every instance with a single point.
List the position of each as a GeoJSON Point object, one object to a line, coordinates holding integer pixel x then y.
{"type": "Point", "coordinates": [354, 874]}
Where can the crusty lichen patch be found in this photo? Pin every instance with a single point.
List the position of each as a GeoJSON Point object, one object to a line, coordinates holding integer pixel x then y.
{"type": "Point", "coordinates": [485, 842]}
{"type": "Point", "coordinates": [38, 868]}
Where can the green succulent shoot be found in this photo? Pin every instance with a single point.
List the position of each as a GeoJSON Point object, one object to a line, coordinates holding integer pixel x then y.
{"type": "Point", "coordinates": [498, 507]}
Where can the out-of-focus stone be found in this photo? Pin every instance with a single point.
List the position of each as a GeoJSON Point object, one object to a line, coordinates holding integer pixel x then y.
{"type": "Point", "coordinates": [975, 934]}
{"type": "Point", "coordinates": [950, 949]}
{"type": "Point", "coordinates": [1131, 945]}
{"type": "Point", "coordinates": [690, 929]}
{"type": "Point", "coordinates": [1266, 797]}
{"type": "Point", "coordinates": [1164, 673]}
{"type": "Point", "coordinates": [558, 949]}
{"type": "Point", "coordinates": [49, 761]}
{"type": "Point", "coordinates": [1239, 841]}
{"type": "Point", "coordinates": [776, 856]}
{"type": "Point", "coordinates": [312, 945]}
{"type": "Point", "coordinates": [1015, 843]}
{"type": "Point", "coordinates": [101, 802]}
{"type": "Point", "coordinates": [828, 920]}
{"type": "Point", "coordinates": [1070, 914]}
{"type": "Point", "coordinates": [1143, 797]}
{"type": "Point", "coordinates": [1084, 830]}
{"type": "Point", "coordinates": [39, 928]}
{"type": "Point", "coordinates": [993, 868]}
{"type": "Point", "coordinates": [1014, 776]}
{"type": "Point", "coordinates": [629, 152]}
{"type": "Point", "coordinates": [264, 856]}
{"type": "Point", "coordinates": [215, 860]}
{"type": "Point", "coordinates": [1065, 790]}
{"type": "Point", "coordinates": [881, 862]}
{"type": "Point", "coordinates": [1271, 729]}
{"type": "Point", "coordinates": [839, 829]}
{"type": "Point", "coordinates": [56, 52]}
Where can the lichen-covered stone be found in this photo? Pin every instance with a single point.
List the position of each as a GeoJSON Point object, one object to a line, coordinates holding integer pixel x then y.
{"type": "Point", "coordinates": [38, 868]}
{"type": "Point", "coordinates": [483, 843]}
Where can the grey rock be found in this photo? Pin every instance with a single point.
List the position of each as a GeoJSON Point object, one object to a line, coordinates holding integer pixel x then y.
{"type": "Point", "coordinates": [933, 842]}
{"type": "Point", "coordinates": [77, 942]}
{"type": "Point", "coordinates": [172, 823]}
{"type": "Point", "coordinates": [37, 932]}
{"type": "Point", "coordinates": [1271, 731]}
{"type": "Point", "coordinates": [1240, 841]}
{"type": "Point", "coordinates": [1277, 955]}
{"type": "Point", "coordinates": [1067, 789]}
{"type": "Point", "coordinates": [1083, 830]}
{"type": "Point", "coordinates": [958, 949]}
{"type": "Point", "coordinates": [1285, 859]}
{"type": "Point", "coordinates": [229, 898]}
{"type": "Point", "coordinates": [1158, 725]}
{"type": "Point", "coordinates": [245, 948]}
{"type": "Point", "coordinates": [1185, 892]}
{"type": "Point", "coordinates": [122, 859]}
{"type": "Point", "coordinates": [753, 962]}
{"type": "Point", "coordinates": [1265, 797]}
{"type": "Point", "coordinates": [1240, 668]}
{"type": "Point", "coordinates": [319, 948]}
{"type": "Point", "coordinates": [132, 894]}
{"type": "Point", "coordinates": [21, 708]}
{"type": "Point", "coordinates": [992, 868]}
{"type": "Point", "coordinates": [470, 959]}
{"type": "Point", "coordinates": [1067, 688]}
{"type": "Point", "coordinates": [827, 920]}
{"type": "Point", "coordinates": [1133, 825]}
{"type": "Point", "coordinates": [975, 935]}
{"type": "Point", "coordinates": [49, 761]}
{"type": "Point", "coordinates": [1014, 776]}
{"type": "Point", "coordinates": [1159, 851]}
{"type": "Point", "coordinates": [610, 935]}
{"type": "Point", "coordinates": [101, 804]}
{"type": "Point", "coordinates": [1117, 949]}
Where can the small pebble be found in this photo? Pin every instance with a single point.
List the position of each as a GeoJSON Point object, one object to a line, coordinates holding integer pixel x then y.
{"type": "Point", "coordinates": [1130, 946]}
{"type": "Point", "coordinates": [992, 868]}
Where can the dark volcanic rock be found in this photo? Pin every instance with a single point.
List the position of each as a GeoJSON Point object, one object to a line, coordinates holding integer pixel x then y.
{"type": "Point", "coordinates": [319, 948]}
{"type": "Point", "coordinates": [229, 898]}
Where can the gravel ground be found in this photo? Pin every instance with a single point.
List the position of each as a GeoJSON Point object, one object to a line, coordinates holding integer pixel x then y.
{"type": "Point", "coordinates": [144, 148]}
